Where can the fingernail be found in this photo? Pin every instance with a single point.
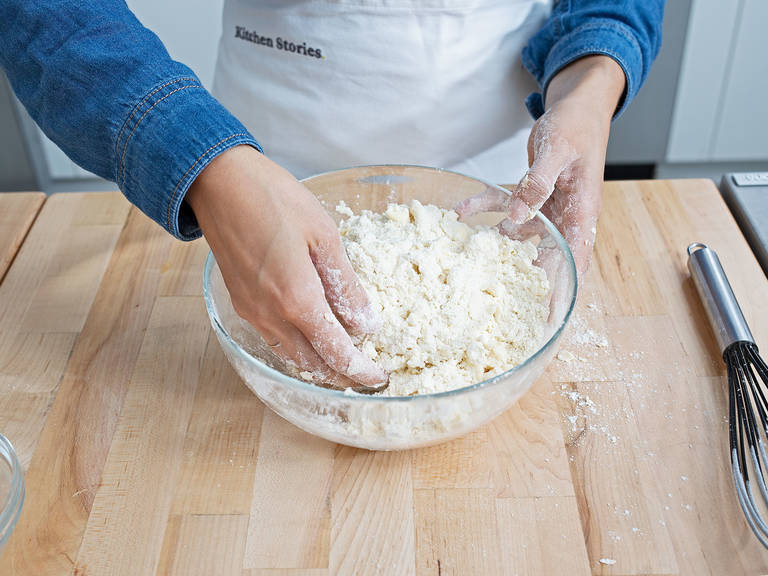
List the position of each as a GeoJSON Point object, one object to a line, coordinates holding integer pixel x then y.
{"type": "Point", "coordinates": [365, 371]}
{"type": "Point", "coordinates": [371, 389]}
{"type": "Point", "coordinates": [463, 208]}
{"type": "Point", "coordinates": [519, 211]}
{"type": "Point", "coordinates": [507, 227]}
{"type": "Point", "coordinates": [472, 205]}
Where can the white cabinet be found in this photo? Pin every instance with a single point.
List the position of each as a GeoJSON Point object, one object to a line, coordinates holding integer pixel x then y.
{"type": "Point", "coordinates": [720, 112]}
{"type": "Point", "coordinates": [741, 132]}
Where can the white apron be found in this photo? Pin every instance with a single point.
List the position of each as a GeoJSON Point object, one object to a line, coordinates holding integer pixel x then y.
{"type": "Point", "coordinates": [327, 84]}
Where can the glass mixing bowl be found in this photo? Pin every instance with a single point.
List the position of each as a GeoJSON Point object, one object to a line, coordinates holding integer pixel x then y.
{"type": "Point", "coordinates": [11, 489]}
{"type": "Point", "coordinates": [394, 423]}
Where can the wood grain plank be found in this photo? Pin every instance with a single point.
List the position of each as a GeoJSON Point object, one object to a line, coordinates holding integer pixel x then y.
{"type": "Point", "coordinates": [663, 220]}
{"type": "Point", "coordinates": [17, 213]}
{"type": "Point", "coordinates": [47, 241]}
{"type": "Point", "coordinates": [586, 353]}
{"type": "Point", "coordinates": [170, 545]}
{"type": "Point", "coordinates": [291, 504]}
{"type": "Point", "coordinates": [33, 356]}
{"type": "Point", "coordinates": [183, 272]}
{"type": "Point", "coordinates": [62, 300]}
{"type": "Point", "coordinates": [711, 489]}
{"type": "Point", "coordinates": [528, 448]}
{"type": "Point", "coordinates": [372, 530]}
{"type": "Point", "coordinates": [701, 513]}
{"type": "Point", "coordinates": [286, 572]}
{"type": "Point", "coordinates": [33, 363]}
{"type": "Point", "coordinates": [662, 393]}
{"type": "Point", "coordinates": [207, 544]}
{"type": "Point", "coordinates": [620, 504]}
{"type": "Point", "coordinates": [66, 466]}
{"type": "Point", "coordinates": [621, 513]}
{"type": "Point", "coordinates": [541, 536]}
{"type": "Point", "coordinates": [31, 367]}
{"type": "Point", "coordinates": [126, 525]}
{"type": "Point", "coordinates": [628, 284]}
{"type": "Point", "coordinates": [522, 554]}
{"type": "Point", "coordinates": [104, 208]}
{"type": "Point", "coordinates": [713, 224]}
{"type": "Point", "coordinates": [466, 462]}
{"type": "Point", "coordinates": [456, 531]}
{"type": "Point", "coordinates": [218, 464]}
{"type": "Point", "coordinates": [683, 443]}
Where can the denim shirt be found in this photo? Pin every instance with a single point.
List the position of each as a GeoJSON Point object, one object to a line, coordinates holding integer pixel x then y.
{"type": "Point", "coordinates": [103, 88]}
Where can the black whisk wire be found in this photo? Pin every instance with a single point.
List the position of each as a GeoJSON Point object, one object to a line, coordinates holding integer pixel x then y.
{"type": "Point", "coordinates": [748, 410]}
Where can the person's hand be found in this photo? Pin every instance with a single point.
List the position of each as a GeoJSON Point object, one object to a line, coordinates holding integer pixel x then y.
{"type": "Point", "coordinates": [285, 267]}
{"type": "Point", "coordinates": [566, 155]}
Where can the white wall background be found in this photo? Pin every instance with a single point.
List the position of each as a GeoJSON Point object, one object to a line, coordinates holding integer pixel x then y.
{"type": "Point", "coordinates": [190, 30]}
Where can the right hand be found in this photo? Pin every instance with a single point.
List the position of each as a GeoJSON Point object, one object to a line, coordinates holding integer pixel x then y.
{"type": "Point", "coordinates": [285, 267]}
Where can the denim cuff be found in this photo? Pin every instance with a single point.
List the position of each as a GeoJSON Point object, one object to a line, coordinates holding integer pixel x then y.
{"type": "Point", "coordinates": [608, 37]}
{"type": "Point", "coordinates": [168, 138]}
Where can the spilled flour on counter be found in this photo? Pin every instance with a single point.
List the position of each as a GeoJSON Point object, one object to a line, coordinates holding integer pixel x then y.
{"type": "Point", "coordinates": [459, 304]}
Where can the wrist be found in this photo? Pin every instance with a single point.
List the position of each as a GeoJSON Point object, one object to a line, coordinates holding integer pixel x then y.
{"type": "Point", "coordinates": [597, 82]}
{"type": "Point", "coordinates": [220, 174]}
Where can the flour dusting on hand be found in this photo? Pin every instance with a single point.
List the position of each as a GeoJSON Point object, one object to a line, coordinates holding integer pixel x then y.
{"type": "Point", "coordinates": [459, 304]}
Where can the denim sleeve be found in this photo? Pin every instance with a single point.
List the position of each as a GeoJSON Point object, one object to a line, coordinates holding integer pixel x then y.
{"type": "Point", "coordinates": [104, 89]}
{"type": "Point", "coordinates": [629, 31]}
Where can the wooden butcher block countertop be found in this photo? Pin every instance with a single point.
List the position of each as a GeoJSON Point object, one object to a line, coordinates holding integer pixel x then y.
{"type": "Point", "coordinates": [145, 454]}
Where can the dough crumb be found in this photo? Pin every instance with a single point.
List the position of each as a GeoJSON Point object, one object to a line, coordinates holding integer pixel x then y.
{"type": "Point", "coordinates": [566, 356]}
{"type": "Point", "coordinates": [459, 304]}
{"type": "Point", "coordinates": [607, 561]}
{"type": "Point", "coordinates": [343, 209]}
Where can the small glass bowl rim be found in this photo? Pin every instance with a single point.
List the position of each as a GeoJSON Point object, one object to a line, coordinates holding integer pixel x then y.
{"type": "Point", "coordinates": [341, 394]}
{"type": "Point", "coordinates": [14, 501]}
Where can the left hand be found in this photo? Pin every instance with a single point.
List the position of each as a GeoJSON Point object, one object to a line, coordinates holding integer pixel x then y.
{"type": "Point", "coordinates": [566, 155]}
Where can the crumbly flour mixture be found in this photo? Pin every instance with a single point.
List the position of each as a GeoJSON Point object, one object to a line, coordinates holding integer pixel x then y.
{"type": "Point", "coordinates": [459, 304]}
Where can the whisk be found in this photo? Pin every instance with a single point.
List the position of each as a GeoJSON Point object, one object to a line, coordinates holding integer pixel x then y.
{"type": "Point", "coordinates": [747, 383]}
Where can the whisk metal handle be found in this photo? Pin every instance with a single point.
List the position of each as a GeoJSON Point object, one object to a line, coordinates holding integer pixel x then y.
{"type": "Point", "coordinates": [716, 294]}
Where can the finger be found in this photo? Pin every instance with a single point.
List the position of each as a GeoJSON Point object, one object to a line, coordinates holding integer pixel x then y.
{"type": "Point", "coordinates": [520, 232]}
{"type": "Point", "coordinates": [553, 262]}
{"type": "Point", "coordinates": [308, 310]}
{"type": "Point", "coordinates": [582, 241]}
{"type": "Point", "coordinates": [343, 289]}
{"type": "Point", "coordinates": [539, 182]}
{"type": "Point", "coordinates": [490, 200]}
{"type": "Point", "coordinates": [290, 345]}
